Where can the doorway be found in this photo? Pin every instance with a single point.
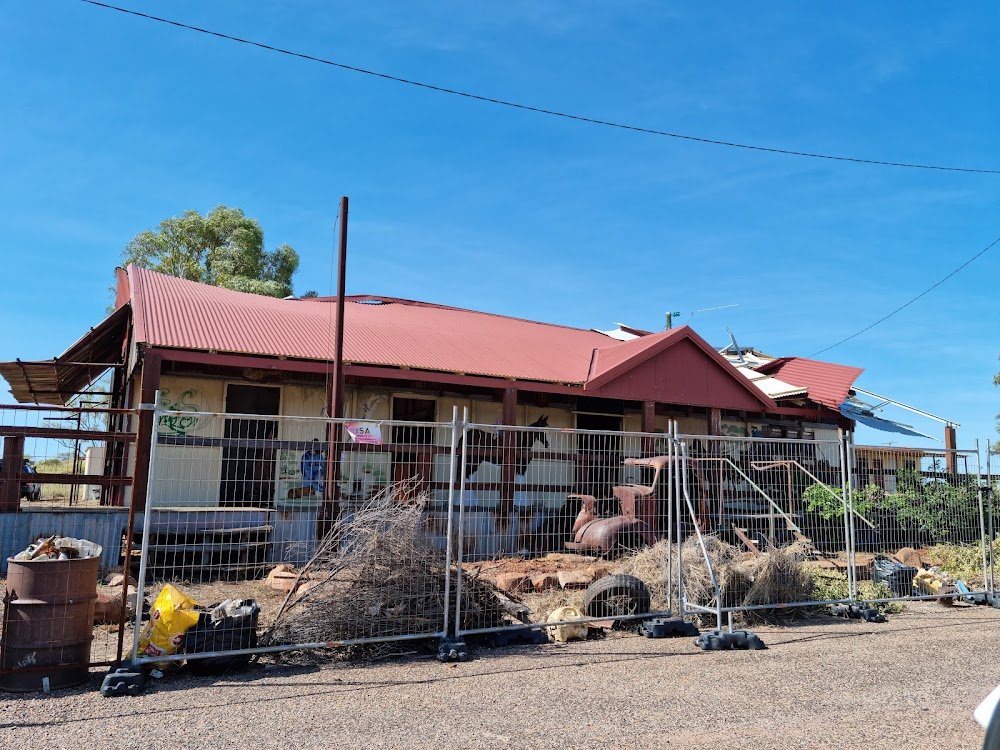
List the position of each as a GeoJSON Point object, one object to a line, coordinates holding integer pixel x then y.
{"type": "Point", "coordinates": [599, 458]}
{"type": "Point", "coordinates": [248, 465]}
{"type": "Point", "coordinates": [411, 455]}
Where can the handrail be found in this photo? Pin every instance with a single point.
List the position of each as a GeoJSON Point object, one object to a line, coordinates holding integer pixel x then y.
{"type": "Point", "coordinates": [764, 465]}
{"type": "Point", "coordinates": [701, 538]}
{"type": "Point", "coordinates": [794, 526]}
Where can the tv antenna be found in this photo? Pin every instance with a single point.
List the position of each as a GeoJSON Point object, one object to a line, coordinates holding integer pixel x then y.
{"type": "Point", "coordinates": [671, 315]}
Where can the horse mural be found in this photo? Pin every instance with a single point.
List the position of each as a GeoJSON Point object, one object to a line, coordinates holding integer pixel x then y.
{"type": "Point", "coordinates": [481, 446]}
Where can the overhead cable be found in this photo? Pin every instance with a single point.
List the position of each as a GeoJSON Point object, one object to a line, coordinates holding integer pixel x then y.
{"type": "Point", "coordinates": [540, 110]}
{"type": "Point", "coordinates": [907, 304]}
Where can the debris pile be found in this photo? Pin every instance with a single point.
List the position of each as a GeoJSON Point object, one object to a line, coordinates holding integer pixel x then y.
{"type": "Point", "coordinates": [59, 548]}
{"type": "Point", "coordinates": [376, 575]}
{"type": "Point", "coordinates": [780, 575]}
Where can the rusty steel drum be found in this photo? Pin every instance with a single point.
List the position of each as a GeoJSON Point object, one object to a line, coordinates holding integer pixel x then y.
{"type": "Point", "coordinates": [48, 623]}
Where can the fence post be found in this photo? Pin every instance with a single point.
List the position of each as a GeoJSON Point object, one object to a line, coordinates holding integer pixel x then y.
{"type": "Point", "coordinates": [670, 523]}
{"type": "Point", "coordinates": [991, 582]}
{"type": "Point", "coordinates": [675, 454]}
{"type": "Point", "coordinates": [984, 541]}
{"type": "Point", "coordinates": [845, 485]}
{"type": "Point", "coordinates": [461, 522]}
{"type": "Point", "coordinates": [451, 505]}
{"type": "Point", "coordinates": [146, 516]}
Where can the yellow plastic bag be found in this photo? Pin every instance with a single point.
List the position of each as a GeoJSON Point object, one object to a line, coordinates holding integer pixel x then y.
{"type": "Point", "coordinates": [173, 613]}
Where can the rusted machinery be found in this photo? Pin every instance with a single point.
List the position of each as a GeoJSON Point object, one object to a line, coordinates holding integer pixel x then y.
{"type": "Point", "coordinates": [635, 526]}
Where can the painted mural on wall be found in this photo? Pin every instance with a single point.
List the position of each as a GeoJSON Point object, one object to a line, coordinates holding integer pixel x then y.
{"type": "Point", "coordinates": [179, 424]}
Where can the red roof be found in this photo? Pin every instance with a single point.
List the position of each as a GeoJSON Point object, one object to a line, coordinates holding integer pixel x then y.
{"type": "Point", "coordinates": [828, 383]}
{"type": "Point", "coordinates": [174, 313]}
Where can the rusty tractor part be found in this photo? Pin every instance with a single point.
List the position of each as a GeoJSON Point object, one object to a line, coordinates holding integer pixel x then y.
{"type": "Point", "coordinates": [635, 526]}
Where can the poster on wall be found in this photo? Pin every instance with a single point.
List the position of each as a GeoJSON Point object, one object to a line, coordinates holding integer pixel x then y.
{"type": "Point", "coordinates": [301, 474]}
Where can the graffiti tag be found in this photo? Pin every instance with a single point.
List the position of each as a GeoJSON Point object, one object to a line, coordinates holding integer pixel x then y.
{"type": "Point", "coordinates": [178, 424]}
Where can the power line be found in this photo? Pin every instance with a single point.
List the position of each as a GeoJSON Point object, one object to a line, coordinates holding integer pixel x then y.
{"type": "Point", "coordinates": [538, 110]}
{"type": "Point", "coordinates": [907, 304]}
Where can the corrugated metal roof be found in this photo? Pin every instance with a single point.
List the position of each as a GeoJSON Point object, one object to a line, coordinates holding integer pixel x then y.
{"type": "Point", "coordinates": [56, 381]}
{"type": "Point", "coordinates": [828, 383]}
{"type": "Point", "coordinates": [175, 313]}
{"type": "Point", "coordinates": [172, 312]}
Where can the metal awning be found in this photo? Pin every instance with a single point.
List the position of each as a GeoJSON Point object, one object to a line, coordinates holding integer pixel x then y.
{"type": "Point", "coordinates": [56, 381]}
{"type": "Point", "coordinates": [862, 413]}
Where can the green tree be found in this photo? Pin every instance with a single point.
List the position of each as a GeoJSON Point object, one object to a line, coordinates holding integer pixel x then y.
{"type": "Point", "coordinates": [223, 248]}
{"type": "Point", "coordinates": [996, 381]}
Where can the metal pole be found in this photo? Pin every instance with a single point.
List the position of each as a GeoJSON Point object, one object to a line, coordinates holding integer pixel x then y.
{"type": "Point", "coordinates": [461, 525]}
{"type": "Point", "coordinates": [338, 357]}
{"type": "Point", "coordinates": [850, 512]}
{"type": "Point", "coordinates": [147, 515]}
{"type": "Point", "coordinates": [844, 488]}
{"type": "Point", "coordinates": [670, 523]}
{"type": "Point", "coordinates": [336, 395]}
{"type": "Point", "coordinates": [672, 430]}
{"type": "Point", "coordinates": [992, 501]}
{"type": "Point", "coordinates": [984, 542]}
{"type": "Point", "coordinates": [451, 514]}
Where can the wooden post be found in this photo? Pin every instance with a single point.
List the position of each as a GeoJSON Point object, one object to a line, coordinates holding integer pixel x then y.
{"type": "Point", "coordinates": [152, 364]}
{"type": "Point", "coordinates": [509, 446]}
{"type": "Point", "coordinates": [715, 421]}
{"type": "Point", "coordinates": [10, 484]}
{"type": "Point", "coordinates": [950, 446]}
{"type": "Point", "coordinates": [648, 426]}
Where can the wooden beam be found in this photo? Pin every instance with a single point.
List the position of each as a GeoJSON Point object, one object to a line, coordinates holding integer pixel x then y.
{"type": "Point", "coordinates": [152, 365]}
{"type": "Point", "coordinates": [509, 445]}
{"type": "Point", "coordinates": [10, 486]}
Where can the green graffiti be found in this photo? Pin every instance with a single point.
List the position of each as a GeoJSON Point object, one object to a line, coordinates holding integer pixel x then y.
{"type": "Point", "coordinates": [178, 424]}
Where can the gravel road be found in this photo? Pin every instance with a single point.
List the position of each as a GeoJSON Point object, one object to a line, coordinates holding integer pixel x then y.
{"type": "Point", "coordinates": [910, 683]}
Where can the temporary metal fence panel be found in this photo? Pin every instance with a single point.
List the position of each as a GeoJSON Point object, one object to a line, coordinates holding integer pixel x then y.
{"type": "Point", "coordinates": [766, 517]}
{"type": "Point", "coordinates": [544, 513]}
{"type": "Point", "coordinates": [928, 510]}
{"type": "Point", "coordinates": [338, 545]}
{"type": "Point", "coordinates": [65, 473]}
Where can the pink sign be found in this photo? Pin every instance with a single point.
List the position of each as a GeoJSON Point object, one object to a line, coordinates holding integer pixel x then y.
{"type": "Point", "coordinates": [365, 432]}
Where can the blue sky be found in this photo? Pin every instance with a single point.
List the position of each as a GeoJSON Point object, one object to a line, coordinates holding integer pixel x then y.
{"type": "Point", "coordinates": [112, 123]}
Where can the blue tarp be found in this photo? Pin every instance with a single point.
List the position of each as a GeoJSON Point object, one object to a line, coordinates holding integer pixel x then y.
{"type": "Point", "coordinates": [859, 413]}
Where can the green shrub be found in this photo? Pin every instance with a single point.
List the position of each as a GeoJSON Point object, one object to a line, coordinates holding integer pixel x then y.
{"type": "Point", "coordinates": [830, 585]}
{"type": "Point", "coordinates": [920, 510]}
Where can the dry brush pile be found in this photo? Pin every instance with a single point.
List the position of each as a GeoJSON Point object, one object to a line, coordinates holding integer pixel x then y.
{"type": "Point", "coordinates": [376, 575]}
{"type": "Point", "coordinates": [779, 576]}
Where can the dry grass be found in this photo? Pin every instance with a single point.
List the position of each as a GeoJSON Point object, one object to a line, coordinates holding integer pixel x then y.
{"type": "Point", "coordinates": [544, 603]}
{"type": "Point", "coordinates": [778, 576]}
{"type": "Point", "coordinates": [652, 565]}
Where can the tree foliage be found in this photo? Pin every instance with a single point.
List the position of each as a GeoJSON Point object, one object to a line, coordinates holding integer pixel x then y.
{"type": "Point", "coordinates": [921, 510]}
{"type": "Point", "coordinates": [996, 381]}
{"type": "Point", "coordinates": [223, 248]}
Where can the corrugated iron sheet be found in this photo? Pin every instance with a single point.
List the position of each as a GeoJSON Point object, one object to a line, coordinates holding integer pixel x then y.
{"type": "Point", "coordinates": [176, 313]}
{"type": "Point", "coordinates": [828, 384]}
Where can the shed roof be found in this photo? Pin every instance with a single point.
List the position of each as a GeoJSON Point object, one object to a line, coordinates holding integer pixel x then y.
{"type": "Point", "coordinates": [57, 381]}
